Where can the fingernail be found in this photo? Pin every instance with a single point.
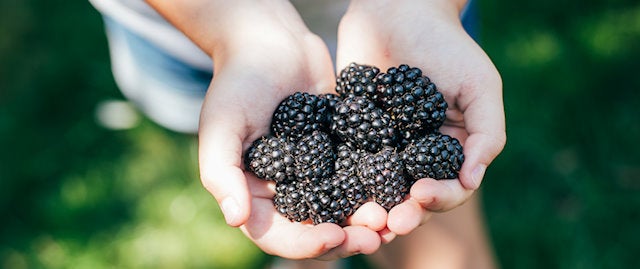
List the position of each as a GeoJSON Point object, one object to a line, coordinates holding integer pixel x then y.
{"type": "Point", "coordinates": [387, 236]}
{"type": "Point", "coordinates": [230, 210]}
{"type": "Point", "coordinates": [476, 175]}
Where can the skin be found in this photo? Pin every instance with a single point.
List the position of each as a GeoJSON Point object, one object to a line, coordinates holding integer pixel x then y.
{"type": "Point", "coordinates": [263, 52]}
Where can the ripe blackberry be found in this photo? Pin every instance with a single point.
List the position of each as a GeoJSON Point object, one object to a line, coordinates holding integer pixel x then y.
{"type": "Point", "coordinates": [289, 201]}
{"type": "Point", "coordinates": [334, 199]}
{"type": "Point", "coordinates": [357, 120]}
{"type": "Point", "coordinates": [412, 100]}
{"type": "Point", "coordinates": [270, 158]}
{"type": "Point", "coordinates": [298, 114]}
{"type": "Point", "coordinates": [383, 176]}
{"type": "Point", "coordinates": [437, 156]}
{"type": "Point", "coordinates": [314, 156]}
{"type": "Point", "coordinates": [358, 80]}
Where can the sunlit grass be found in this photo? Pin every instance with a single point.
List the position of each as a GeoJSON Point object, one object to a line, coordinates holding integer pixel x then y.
{"type": "Point", "coordinates": [170, 220]}
{"type": "Point", "coordinates": [613, 33]}
{"type": "Point", "coordinates": [534, 49]}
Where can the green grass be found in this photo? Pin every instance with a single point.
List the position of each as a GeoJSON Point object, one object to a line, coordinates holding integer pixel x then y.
{"type": "Point", "coordinates": [564, 193]}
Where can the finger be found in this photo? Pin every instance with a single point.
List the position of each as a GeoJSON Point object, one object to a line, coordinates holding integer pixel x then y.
{"type": "Point", "coordinates": [407, 216]}
{"type": "Point", "coordinates": [480, 149]}
{"type": "Point", "coordinates": [220, 153]}
{"type": "Point", "coordinates": [276, 235]}
{"type": "Point", "coordinates": [370, 215]}
{"type": "Point", "coordinates": [439, 195]}
{"type": "Point", "coordinates": [359, 240]}
{"type": "Point", "coordinates": [484, 120]}
{"type": "Point", "coordinates": [386, 236]}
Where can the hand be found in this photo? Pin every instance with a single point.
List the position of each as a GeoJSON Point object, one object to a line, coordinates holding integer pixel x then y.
{"type": "Point", "coordinates": [429, 35]}
{"type": "Point", "coordinates": [265, 57]}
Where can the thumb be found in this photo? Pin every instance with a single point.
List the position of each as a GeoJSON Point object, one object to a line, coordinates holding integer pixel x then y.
{"type": "Point", "coordinates": [220, 157]}
{"type": "Point", "coordinates": [480, 150]}
{"type": "Point", "coordinates": [485, 123]}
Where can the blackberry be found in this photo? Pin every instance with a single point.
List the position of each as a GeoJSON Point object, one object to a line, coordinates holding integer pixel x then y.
{"type": "Point", "coordinates": [289, 201]}
{"type": "Point", "coordinates": [334, 199]}
{"type": "Point", "coordinates": [383, 176]}
{"type": "Point", "coordinates": [358, 80]}
{"type": "Point", "coordinates": [357, 120]}
{"type": "Point", "coordinates": [298, 114]}
{"type": "Point", "coordinates": [314, 156]}
{"type": "Point", "coordinates": [412, 100]}
{"type": "Point", "coordinates": [437, 156]}
{"type": "Point", "coordinates": [270, 158]}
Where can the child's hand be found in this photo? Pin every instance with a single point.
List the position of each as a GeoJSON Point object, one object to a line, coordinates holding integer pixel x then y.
{"type": "Point", "coordinates": [263, 58]}
{"type": "Point", "coordinates": [429, 35]}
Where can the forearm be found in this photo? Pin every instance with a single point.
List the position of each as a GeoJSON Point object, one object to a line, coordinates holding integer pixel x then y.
{"type": "Point", "coordinates": [217, 25]}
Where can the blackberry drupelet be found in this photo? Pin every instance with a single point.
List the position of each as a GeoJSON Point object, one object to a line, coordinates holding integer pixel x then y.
{"type": "Point", "coordinates": [271, 158]}
{"type": "Point", "coordinates": [359, 80]}
{"type": "Point", "coordinates": [314, 156]}
{"type": "Point", "coordinates": [357, 120]}
{"type": "Point", "coordinates": [383, 176]}
{"type": "Point", "coordinates": [334, 199]}
{"type": "Point", "coordinates": [437, 156]}
{"type": "Point", "coordinates": [331, 100]}
{"type": "Point", "coordinates": [289, 200]}
{"type": "Point", "coordinates": [298, 114]}
{"type": "Point", "coordinates": [412, 100]}
{"type": "Point", "coordinates": [347, 158]}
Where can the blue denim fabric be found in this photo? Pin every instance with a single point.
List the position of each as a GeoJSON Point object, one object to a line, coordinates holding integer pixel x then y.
{"type": "Point", "coordinates": [470, 19]}
{"type": "Point", "coordinates": [160, 65]}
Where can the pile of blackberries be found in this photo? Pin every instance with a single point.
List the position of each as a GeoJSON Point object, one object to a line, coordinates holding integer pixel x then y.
{"type": "Point", "coordinates": [328, 154]}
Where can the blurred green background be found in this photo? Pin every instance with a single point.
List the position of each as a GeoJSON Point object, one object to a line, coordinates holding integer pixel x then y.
{"type": "Point", "coordinates": [565, 192]}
